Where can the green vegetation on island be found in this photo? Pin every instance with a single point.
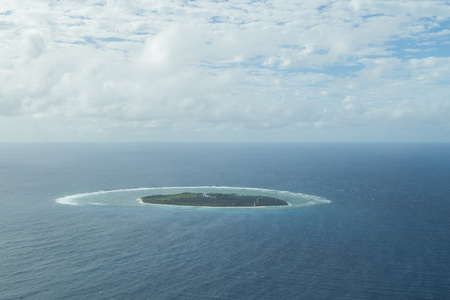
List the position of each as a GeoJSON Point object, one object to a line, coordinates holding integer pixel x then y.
{"type": "Point", "coordinates": [213, 199]}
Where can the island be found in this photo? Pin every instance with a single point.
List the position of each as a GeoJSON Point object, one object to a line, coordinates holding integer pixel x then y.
{"type": "Point", "coordinates": [213, 200]}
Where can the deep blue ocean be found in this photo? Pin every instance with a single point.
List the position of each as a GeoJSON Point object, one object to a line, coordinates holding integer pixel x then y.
{"type": "Point", "coordinates": [382, 233]}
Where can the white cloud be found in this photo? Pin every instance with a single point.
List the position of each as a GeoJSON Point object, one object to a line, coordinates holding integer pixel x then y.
{"type": "Point", "coordinates": [168, 69]}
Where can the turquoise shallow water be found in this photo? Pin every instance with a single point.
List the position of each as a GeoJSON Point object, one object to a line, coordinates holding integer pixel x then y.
{"type": "Point", "coordinates": [371, 222]}
{"type": "Point", "coordinates": [131, 197]}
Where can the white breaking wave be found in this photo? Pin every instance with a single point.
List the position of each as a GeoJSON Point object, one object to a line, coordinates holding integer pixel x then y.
{"type": "Point", "coordinates": [128, 197]}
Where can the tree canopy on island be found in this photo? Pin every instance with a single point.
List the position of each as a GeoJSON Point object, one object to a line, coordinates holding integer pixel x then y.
{"type": "Point", "coordinates": [213, 199]}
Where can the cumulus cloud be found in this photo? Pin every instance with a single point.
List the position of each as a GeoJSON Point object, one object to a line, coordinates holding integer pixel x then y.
{"type": "Point", "coordinates": [169, 69]}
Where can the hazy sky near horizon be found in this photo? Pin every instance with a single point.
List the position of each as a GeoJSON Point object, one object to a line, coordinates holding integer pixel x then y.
{"type": "Point", "coordinates": [172, 70]}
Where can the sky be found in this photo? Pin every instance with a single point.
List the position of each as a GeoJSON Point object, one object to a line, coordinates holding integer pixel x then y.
{"type": "Point", "coordinates": [263, 71]}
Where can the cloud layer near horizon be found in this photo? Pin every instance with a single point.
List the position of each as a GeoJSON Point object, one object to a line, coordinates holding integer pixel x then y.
{"type": "Point", "coordinates": [271, 70]}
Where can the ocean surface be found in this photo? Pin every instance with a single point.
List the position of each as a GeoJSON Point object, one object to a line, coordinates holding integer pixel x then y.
{"type": "Point", "coordinates": [369, 221]}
